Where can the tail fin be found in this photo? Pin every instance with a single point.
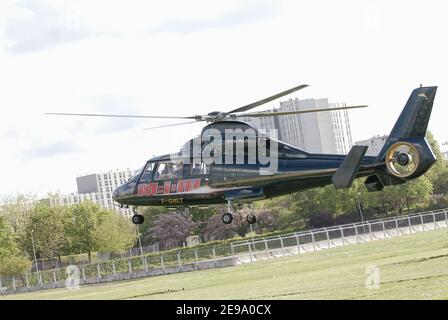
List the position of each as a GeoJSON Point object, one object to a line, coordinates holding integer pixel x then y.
{"type": "Point", "coordinates": [413, 120]}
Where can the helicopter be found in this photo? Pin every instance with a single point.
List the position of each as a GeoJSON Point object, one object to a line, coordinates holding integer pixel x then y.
{"type": "Point", "coordinates": [230, 162]}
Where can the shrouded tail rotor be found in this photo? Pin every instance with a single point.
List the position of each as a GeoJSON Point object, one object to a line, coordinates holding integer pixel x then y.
{"type": "Point", "coordinates": [402, 159]}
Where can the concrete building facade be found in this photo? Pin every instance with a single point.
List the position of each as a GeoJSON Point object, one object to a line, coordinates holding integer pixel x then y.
{"type": "Point", "coordinates": [323, 132]}
{"type": "Point", "coordinates": [97, 188]}
{"type": "Point", "coordinates": [374, 144]}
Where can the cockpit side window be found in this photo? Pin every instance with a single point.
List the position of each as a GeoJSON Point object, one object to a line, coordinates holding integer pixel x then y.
{"type": "Point", "coordinates": [147, 173]}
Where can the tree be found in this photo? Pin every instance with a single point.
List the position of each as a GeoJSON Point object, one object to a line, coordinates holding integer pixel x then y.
{"type": "Point", "coordinates": [46, 224]}
{"type": "Point", "coordinates": [215, 229]}
{"type": "Point", "coordinates": [14, 265]}
{"type": "Point", "coordinates": [170, 229]}
{"type": "Point", "coordinates": [8, 245]}
{"type": "Point", "coordinates": [441, 182]}
{"type": "Point", "coordinates": [440, 164]}
{"type": "Point", "coordinates": [321, 220]}
{"type": "Point", "coordinates": [16, 210]}
{"type": "Point", "coordinates": [114, 234]}
{"type": "Point", "coordinates": [11, 263]}
{"type": "Point", "coordinates": [81, 227]}
{"type": "Point", "coordinates": [408, 194]}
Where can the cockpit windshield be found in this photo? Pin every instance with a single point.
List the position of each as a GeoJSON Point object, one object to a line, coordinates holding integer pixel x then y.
{"type": "Point", "coordinates": [137, 174]}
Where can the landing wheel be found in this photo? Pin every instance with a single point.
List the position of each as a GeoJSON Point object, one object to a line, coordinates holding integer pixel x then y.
{"type": "Point", "coordinates": [227, 218]}
{"type": "Point", "coordinates": [138, 219]}
{"type": "Point", "coordinates": [251, 218]}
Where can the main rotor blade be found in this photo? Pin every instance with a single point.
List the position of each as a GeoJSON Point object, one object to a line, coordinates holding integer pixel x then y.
{"type": "Point", "coordinates": [285, 113]}
{"type": "Point", "coordinates": [266, 100]}
{"type": "Point", "coordinates": [116, 115]}
{"type": "Point", "coordinates": [171, 125]}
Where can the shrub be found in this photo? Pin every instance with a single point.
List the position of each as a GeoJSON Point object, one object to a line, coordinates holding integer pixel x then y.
{"type": "Point", "coordinates": [14, 265]}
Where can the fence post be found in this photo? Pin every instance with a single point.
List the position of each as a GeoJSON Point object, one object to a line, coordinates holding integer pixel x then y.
{"type": "Point", "coordinates": [421, 220]}
{"type": "Point", "coordinates": [384, 229]}
{"type": "Point", "coordinates": [26, 280]}
{"type": "Point", "coordinates": [328, 238]}
{"type": "Point", "coordinates": [410, 225]}
{"type": "Point", "coordinates": [83, 274]}
{"type": "Point", "coordinates": [99, 271]}
{"type": "Point", "coordinates": [54, 278]}
{"type": "Point", "coordinates": [250, 251]}
{"type": "Point", "coordinates": [39, 276]}
{"type": "Point", "coordinates": [283, 246]}
{"type": "Point", "coordinates": [298, 243]}
{"type": "Point", "coordinates": [446, 217]}
{"type": "Point", "coordinates": [342, 235]}
{"type": "Point", "coordinates": [370, 231]}
{"type": "Point", "coordinates": [214, 255]}
{"type": "Point", "coordinates": [14, 282]}
{"type": "Point", "coordinates": [396, 227]}
{"type": "Point", "coordinates": [130, 266]}
{"type": "Point", "coordinates": [434, 220]}
{"type": "Point", "coordinates": [162, 263]}
{"type": "Point", "coordinates": [196, 258]}
{"type": "Point", "coordinates": [114, 270]}
{"type": "Point", "coordinates": [356, 233]}
{"type": "Point", "coordinates": [266, 247]}
{"type": "Point", "coordinates": [146, 264]}
{"type": "Point", "coordinates": [312, 240]}
{"type": "Point", "coordinates": [179, 261]}
{"type": "Point", "coordinates": [232, 250]}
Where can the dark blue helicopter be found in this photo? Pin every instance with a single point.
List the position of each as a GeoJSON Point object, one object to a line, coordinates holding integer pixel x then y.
{"type": "Point", "coordinates": [185, 179]}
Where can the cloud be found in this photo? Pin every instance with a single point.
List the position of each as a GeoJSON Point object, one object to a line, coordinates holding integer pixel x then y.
{"type": "Point", "coordinates": [41, 27]}
{"type": "Point", "coordinates": [115, 105]}
{"type": "Point", "coordinates": [251, 11]}
{"type": "Point", "coordinates": [49, 150]}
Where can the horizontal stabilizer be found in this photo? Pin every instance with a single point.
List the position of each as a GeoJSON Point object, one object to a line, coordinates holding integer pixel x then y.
{"type": "Point", "coordinates": [346, 173]}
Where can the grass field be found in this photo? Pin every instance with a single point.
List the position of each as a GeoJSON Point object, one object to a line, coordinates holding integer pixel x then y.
{"type": "Point", "coordinates": [411, 267]}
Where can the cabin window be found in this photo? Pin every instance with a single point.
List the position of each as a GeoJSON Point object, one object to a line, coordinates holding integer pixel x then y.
{"type": "Point", "coordinates": [199, 169]}
{"type": "Point", "coordinates": [147, 173]}
{"type": "Point", "coordinates": [169, 170]}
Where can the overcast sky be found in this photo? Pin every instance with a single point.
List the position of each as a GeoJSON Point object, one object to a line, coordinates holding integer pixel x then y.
{"type": "Point", "coordinates": [192, 57]}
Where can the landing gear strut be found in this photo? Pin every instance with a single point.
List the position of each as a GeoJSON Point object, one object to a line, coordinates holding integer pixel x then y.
{"type": "Point", "coordinates": [227, 217]}
{"type": "Point", "coordinates": [137, 218]}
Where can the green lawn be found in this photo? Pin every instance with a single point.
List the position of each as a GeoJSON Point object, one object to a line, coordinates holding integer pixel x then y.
{"type": "Point", "coordinates": [411, 267]}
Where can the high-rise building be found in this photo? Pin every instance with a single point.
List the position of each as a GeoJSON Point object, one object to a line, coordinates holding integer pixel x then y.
{"type": "Point", "coordinates": [374, 144]}
{"type": "Point", "coordinates": [97, 188]}
{"type": "Point", "coordinates": [321, 132]}
{"type": "Point", "coordinates": [101, 186]}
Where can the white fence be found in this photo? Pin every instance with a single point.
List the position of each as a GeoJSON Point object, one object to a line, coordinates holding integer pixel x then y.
{"type": "Point", "coordinates": [236, 253]}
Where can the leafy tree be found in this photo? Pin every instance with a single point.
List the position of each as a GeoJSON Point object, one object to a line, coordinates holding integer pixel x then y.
{"type": "Point", "coordinates": [8, 245]}
{"type": "Point", "coordinates": [216, 230]}
{"type": "Point", "coordinates": [46, 224]}
{"type": "Point", "coordinates": [440, 164]}
{"type": "Point", "coordinates": [267, 219]}
{"type": "Point", "coordinates": [441, 182]}
{"type": "Point", "coordinates": [10, 261]}
{"type": "Point", "coordinates": [81, 229]}
{"type": "Point", "coordinates": [171, 229]}
{"type": "Point", "coordinates": [149, 213]}
{"type": "Point", "coordinates": [114, 234]}
{"type": "Point", "coordinates": [16, 210]}
{"type": "Point", "coordinates": [321, 220]}
{"type": "Point", "coordinates": [14, 265]}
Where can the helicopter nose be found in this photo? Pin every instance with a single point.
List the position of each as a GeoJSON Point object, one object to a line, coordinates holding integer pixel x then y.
{"type": "Point", "coordinates": [116, 194]}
